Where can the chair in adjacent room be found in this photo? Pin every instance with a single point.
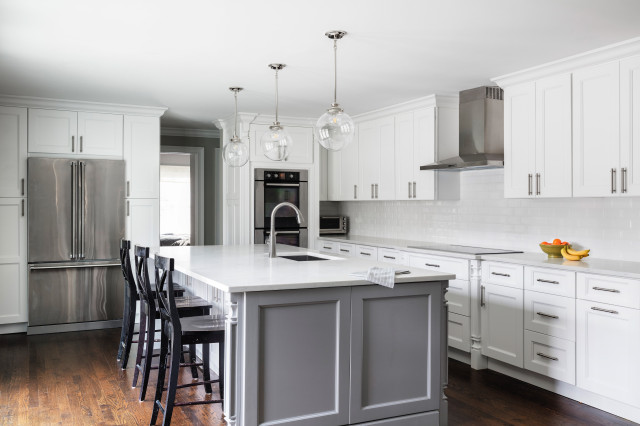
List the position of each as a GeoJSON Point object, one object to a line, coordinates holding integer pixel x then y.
{"type": "Point", "coordinates": [187, 306]}
{"type": "Point", "coordinates": [175, 332]}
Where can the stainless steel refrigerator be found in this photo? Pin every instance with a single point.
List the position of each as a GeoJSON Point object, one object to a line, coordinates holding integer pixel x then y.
{"type": "Point", "coordinates": [76, 220]}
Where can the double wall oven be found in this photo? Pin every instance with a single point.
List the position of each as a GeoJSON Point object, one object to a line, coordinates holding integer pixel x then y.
{"type": "Point", "coordinates": [272, 187]}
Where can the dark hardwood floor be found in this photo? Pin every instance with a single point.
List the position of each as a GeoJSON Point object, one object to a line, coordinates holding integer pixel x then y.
{"type": "Point", "coordinates": [73, 379]}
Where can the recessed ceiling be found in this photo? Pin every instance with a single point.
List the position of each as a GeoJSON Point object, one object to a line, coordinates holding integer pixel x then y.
{"type": "Point", "coordinates": [185, 54]}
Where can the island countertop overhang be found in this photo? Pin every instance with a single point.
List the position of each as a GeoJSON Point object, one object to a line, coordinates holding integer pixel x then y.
{"type": "Point", "coordinates": [248, 268]}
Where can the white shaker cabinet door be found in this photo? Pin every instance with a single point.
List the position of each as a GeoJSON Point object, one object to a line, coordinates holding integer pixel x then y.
{"type": "Point", "coordinates": [596, 131]}
{"type": "Point", "coordinates": [607, 347]}
{"type": "Point", "coordinates": [519, 140]}
{"type": "Point", "coordinates": [349, 170]}
{"type": "Point", "coordinates": [13, 260]}
{"type": "Point", "coordinates": [52, 131]}
{"type": "Point", "coordinates": [501, 319]}
{"type": "Point", "coordinates": [404, 156]}
{"type": "Point", "coordinates": [13, 161]}
{"type": "Point", "coordinates": [424, 152]}
{"type": "Point", "coordinates": [143, 222]}
{"type": "Point", "coordinates": [553, 137]}
{"type": "Point", "coordinates": [142, 156]}
{"type": "Point", "coordinates": [630, 126]}
{"type": "Point", "coordinates": [100, 134]}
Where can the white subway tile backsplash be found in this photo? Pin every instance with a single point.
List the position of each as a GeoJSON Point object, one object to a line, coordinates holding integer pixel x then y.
{"type": "Point", "coordinates": [610, 227]}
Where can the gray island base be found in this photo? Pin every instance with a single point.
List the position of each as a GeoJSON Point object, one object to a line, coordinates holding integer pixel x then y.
{"type": "Point", "coordinates": [309, 344]}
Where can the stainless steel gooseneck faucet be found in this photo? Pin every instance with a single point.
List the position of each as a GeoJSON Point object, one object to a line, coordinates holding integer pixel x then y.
{"type": "Point", "coordinates": [273, 233]}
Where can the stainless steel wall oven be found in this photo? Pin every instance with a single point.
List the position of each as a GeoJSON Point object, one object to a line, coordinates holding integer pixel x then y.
{"type": "Point", "coordinates": [272, 187]}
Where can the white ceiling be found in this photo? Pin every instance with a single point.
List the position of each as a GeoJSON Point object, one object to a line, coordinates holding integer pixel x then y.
{"type": "Point", "coordinates": [185, 54]}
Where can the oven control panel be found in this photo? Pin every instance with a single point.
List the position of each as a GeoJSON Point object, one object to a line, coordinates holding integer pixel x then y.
{"type": "Point", "coordinates": [284, 176]}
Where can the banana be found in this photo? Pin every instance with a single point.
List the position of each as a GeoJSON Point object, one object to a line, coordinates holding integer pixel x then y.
{"type": "Point", "coordinates": [577, 253]}
{"type": "Point", "coordinates": [568, 256]}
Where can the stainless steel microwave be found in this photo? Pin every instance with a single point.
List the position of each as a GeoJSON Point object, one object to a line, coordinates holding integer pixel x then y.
{"type": "Point", "coordinates": [333, 225]}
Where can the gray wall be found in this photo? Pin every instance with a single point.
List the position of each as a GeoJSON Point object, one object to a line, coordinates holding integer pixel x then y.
{"type": "Point", "coordinates": [212, 211]}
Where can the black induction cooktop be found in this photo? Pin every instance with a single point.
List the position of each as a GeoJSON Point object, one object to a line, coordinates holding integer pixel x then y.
{"type": "Point", "coordinates": [454, 248]}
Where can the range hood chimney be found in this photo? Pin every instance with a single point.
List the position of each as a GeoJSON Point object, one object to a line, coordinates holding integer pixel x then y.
{"type": "Point", "coordinates": [481, 143]}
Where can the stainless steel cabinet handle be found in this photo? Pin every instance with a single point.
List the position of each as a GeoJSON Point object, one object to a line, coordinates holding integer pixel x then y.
{"type": "Point", "coordinates": [355, 192]}
{"type": "Point", "coordinates": [595, 308]}
{"type": "Point", "coordinates": [22, 208]}
{"type": "Point", "coordinates": [376, 187]}
{"type": "Point", "coordinates": [482, 303]}
{"type": "Point", "coordinates": [22, 186]}
{"type": "Point", "coordinates": [372, 191]}
{"type": "Point", "coordinates": [409, 189]}
{"type": "Point", "coordinates": [537, 183]}
{"type": "Point", "coordinates": [128, 208]}
{"type": "Point", "coordinates": [73, 210]}
{"type": "Point", "coordinates": [344, 250]}
{"type": "Point", "coordinates": [128, 188]}
{"type": "Point", "coordinates": [365, 254]}
{"type": "Point", "coordinates": [530, 184]}
{"type": "Point", "coordinates": [389, 257]}
{"type": "Point", "coordinates": [613, 181]}
{"type": "Point", "coordinates": [610, 290]}
{"type": "Point", "coordinates": [80, 143]}
{"type": "Point", "coordinates": [542, 314]}
{"type": "Point", "coordinates": [500, 274]}
{"type": "Point", "coordinates": [414, 190]}
{"type": "Point", "coordinates": [552, 358]}
{"type": "Point", "coordinates": [547, 281]}
{"type": "Point", "coordinates": [73, 144]}
{"type": "Point", "coordinates": [83, 169]}
{"type": "Point", "coordinates": [624, 180]}
{"type": "Point", "coordinates": [286, 185]}
{"type": "Point", "coordinates": [433, 265]}
{"type": "Point", "coordinates": [327, 248]}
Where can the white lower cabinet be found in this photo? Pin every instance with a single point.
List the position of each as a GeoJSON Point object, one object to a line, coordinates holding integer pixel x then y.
{"type": "Point", "coordinates": [346, 249]}
{"type": "Point", "coordinates": [13, 261]}
{"type": "Point", "coordinates": [458, 297]}
{"type": "Point", "coordinates": [501, 323]}
{"type": "Point", "coordinates": [389, 255]}
{"type": "Point", "coordinates": [550, 314]}
{"type": "Point", "coordinates": [459, 336]}
{"type": "Point", "coordinates": [608, 344]}
{"type": "Point", "coordinates": [143, 222]}
{"type": "Point", "coordinates": [327, 246]}
{"type": "Point", "coordinates": [367, 252]}
{"type": "Point", "coordinates": [551, 356]}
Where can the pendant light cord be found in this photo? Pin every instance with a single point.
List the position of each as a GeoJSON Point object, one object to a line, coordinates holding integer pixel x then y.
{"type": "Point", "coordinates": [235, 126]}
{"type": "Point", "coordinates": [335, 71]}
{"type": "Point", "coordinates": [277, 122]}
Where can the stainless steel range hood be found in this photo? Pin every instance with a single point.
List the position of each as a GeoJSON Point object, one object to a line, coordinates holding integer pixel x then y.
{"type": "Point", "coordinates": [481, 132]}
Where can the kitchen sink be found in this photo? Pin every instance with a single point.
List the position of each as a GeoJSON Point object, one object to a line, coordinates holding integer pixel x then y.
{"type": "Point", "coordinates": [303, 257]}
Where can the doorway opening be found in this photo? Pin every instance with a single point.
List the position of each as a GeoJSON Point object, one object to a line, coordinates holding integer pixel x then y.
{"type": "Point", "coordinates": [181, 196]}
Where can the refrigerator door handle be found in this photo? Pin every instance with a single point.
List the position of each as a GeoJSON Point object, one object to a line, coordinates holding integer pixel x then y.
{"type": "Point", "coordinates": [83, 166]}
{"type": "Point", "coordinates": [73, 210]}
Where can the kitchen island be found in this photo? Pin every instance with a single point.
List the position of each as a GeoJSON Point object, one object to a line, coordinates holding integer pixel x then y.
{"type": "Point", "coordinates": [308, 343]}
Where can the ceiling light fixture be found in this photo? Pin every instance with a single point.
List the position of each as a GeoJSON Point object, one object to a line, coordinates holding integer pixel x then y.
{"type": "Point", "coordinates": [235, 152]}
{"type": "Point", "coordinates": [334, 129]}
{"type": "Point", "coordinates": [276, 142]}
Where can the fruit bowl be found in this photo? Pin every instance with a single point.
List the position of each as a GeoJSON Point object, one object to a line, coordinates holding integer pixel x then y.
{"type": "Point", "coordinates": [553, 250]}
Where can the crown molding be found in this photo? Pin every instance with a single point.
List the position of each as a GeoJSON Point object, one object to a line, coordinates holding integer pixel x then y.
{"type": "Point", "coordinates": [65, 104]}
{"type": "Point", "coordinates": [440, 101]}
{"type": "Point", "coordinates": [598, 56]}
{"type": "Point", "coordinates": [190, 133]}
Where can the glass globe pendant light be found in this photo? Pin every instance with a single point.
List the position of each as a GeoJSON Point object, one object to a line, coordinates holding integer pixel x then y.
{"type": "Point", "coordinates": [235, 153]}
{"type": "Point", "coordinates": [334, 129]}
{"type": "Point", "coordinates": [276, 142]}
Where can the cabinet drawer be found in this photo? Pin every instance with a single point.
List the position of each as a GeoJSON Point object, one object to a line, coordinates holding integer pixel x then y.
{"type": "Point", "coordinates": [506, 274]}
{"type": "Point", "coordinates": [346, 249]}
{"type": "Point", "coordinates": [388, 255]}
{"type": "Point", "coordinates": [612, 290]}
{"type": "Point", "coordinates": [367, 252]}
{"type": "Point", "coordinates": [551, 356]}
{"type": "Point", "coordinates": [327, 246]}
{"type": "Point", "coordinates": [552, 281]}
{"type": "Point", "coordinates": [459, 332]}
{"type": "Point", "coordinates": [459, 267]}
{"type": "Point", "coordinates": [550, 314]}
{"type": "Point", "coordinates": [458, 297]}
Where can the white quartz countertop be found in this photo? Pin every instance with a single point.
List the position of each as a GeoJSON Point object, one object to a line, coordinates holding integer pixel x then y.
{"type": "Point", "coordinates": [248, 268]}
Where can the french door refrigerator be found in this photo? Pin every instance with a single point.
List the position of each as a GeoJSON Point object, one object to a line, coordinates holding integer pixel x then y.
{"type": "Point", "coordinates": [76, 220]}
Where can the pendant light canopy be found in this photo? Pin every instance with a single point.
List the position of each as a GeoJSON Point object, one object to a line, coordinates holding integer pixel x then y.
{"type": "Point", "coordinates": [335, 129]}
{"type": "Point", "coordinates": [276, 142]}
{"type": "Point", "coordinates": [235, 152]}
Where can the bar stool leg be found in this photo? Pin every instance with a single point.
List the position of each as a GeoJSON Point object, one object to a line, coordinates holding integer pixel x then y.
{"type": "Point", "coordinates": [141, 337]}
{"type": "Point", "coordinates": [206, 372]}
{"type": "Point", "coordinates": [193, 359]}
{"type": "Point", "coordinates": [125, 324]}
{"type": "Point", "coordinates": [221, 368]}
{"type": "Point", "coordinates": [148, 358]}
{"type": "Point", "coordinates": [173, 378]}
{"type": "Point", "coordinates": [131, 323]}
{"type": "Point", "coordinates": [164, 350]}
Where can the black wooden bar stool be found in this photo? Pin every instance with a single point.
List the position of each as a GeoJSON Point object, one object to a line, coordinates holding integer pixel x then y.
{"type": "Point", "coordinates": [130, 299]}
{"type": "Point", "coordinates": [186, 306]}
{"type": "Point", "coordinates": [176, 332]}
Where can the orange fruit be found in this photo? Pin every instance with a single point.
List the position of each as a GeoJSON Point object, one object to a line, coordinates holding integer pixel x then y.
{"type": "Point", "coordinates": [544, 243]}
{"type": "Point", "coordinates": [557, 242]}
{"type": "Point", "coordinates": [564, 243]}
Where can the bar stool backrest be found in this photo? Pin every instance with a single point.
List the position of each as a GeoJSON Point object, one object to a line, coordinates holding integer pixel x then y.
{"type": "Point", "coordinates": [125, 265]}
{"type": "Point", "coordinates": [164, 290]}
{"type": "Point", "coordinates": [142, 274]}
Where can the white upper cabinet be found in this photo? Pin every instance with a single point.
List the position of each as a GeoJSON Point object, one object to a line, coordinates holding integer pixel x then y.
{"type": "Point", "coordinates": [404, 156]}
{"type": "Point", "coordinates": [630, 126]}
{"type": "Point", "coordinates": [349, 171]}
{"type": "Point", "coordinates": [13, 161]}
{"type": "Point", "coordinates": [424, 152]}
{"type": "Point", "coordinates": [538, 138]}
{"type": "Point", "coordinates": [596, 131]}
{"type": "Point", "coordinates": [142, 156]}
{"type": "Point", "coordinates": [301, 150]}
{"type": "Point", "coordinates": [75, 133]}
{"type": "Point", "coordinates": [376, 159]}
{"type": "Point", "coordinates": [13, 260]}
